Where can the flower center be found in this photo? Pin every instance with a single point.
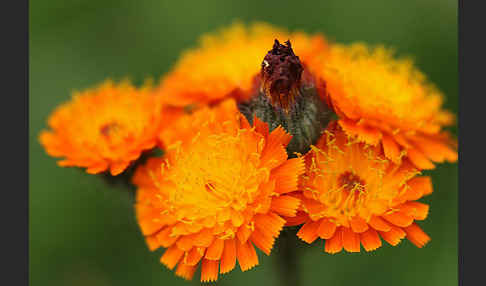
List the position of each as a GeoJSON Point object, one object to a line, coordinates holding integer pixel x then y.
{"type": "Point", "coordinates": [109, 128]}
{"type": "Point", "coordinates": [351, 182]}
{"type": "Point", "coordinates": [219, 172]}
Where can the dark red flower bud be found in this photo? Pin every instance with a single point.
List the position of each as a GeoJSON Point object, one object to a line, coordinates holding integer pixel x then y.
{"type": "Point", "coordinates": [281, 74]}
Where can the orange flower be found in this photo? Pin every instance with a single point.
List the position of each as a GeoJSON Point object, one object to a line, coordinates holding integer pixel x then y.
{"type": "Point", "coordinates": [183, 129]}
{"type": "Point", "coordinates": [104, 128]}
{"type": "Point", "coordinates": [226, 64]}
{"type": "Point", "coordinates": [386, 101]}
{"type": "Point", "coordinates": [351, 194]}
{"type": "Point", "coordinates": [215, 196]}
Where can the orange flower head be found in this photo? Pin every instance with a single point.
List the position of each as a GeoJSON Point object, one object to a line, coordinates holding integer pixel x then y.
{"type": "Point", "coordinates": [352, 195]}
{"type": "Point", "coordinates": [386, 101]}
{"type": "Point", "coordinates": [217, 194]}
{"type": "Point", "coordinates": [227, 64]}
{"type": "Point", "coordinates": [104, 128]}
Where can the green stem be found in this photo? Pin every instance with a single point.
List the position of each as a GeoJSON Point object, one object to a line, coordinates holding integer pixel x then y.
{"type": "Point", "coordinates": [287, 257]}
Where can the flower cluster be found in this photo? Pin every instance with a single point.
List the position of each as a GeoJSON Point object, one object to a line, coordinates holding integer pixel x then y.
{"type": "Point", "coordinates": [330, 138]}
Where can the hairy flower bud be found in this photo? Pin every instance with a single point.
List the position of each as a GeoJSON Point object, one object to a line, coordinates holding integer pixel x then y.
{"type": "Point", "coordinates": [288, 97]}
{"type": "Point", "coordinates": [281, 74]}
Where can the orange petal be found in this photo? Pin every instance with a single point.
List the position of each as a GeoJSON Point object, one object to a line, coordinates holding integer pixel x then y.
{"type": "Point", "coordinates": [117, 168]}
{"type": "Point", "coordinates": [274, 152]}
{"type": "Point", "coordinates": [186, 242]}
{"type": "Point", "coordinates": [416, 235]}
{"type": "Point", "coordinates": [267, 189]}
{"type": "Point", "coordinates": [335, 243]}
{"type": "Point", "coordinates": [269, 223]}
{"type": "Point", "coordinates": [244, 122]}
{"type": "Point", "coordinates": [204, 238]}
{"type": "Point", "coordinates": [164, 237]}
{"type": "Point", "coordinates": [185, 271]}
{"type": "Point", "coordinates": [247, 257]}
{"type": "Point", "coordinates": [417, 210]}
{"type": "Point", "coordinates": [243, 233]}
{"type": "Point", "coordinates": [171, 257]}
{"type": "Point", "coordinates": [150, 225]}
{"type": "Point", "coordinates": [143, 210]}
{"type": "Point", "coordinates": [228, 259]}
{"type": "Point", "coordinates": [402, 140]}
{"type": "Point", "coordinates": [262, 241]}
{"type": "Point", "coordinates": [300, 218]}
{"type": "Point", "coordinates": [399, 218]}
{"type": "Point", "coordinates": [312, 206]}
{"type": "Point", "coordinates": [358, 224]}
{"type": "Point", "coordinates": [287, 175]}
{"type": "Point", "coordinates": [209, 270]}
{"type": "Point", "coordinates": [194, 256]}
{"type": "Point", "coordinates": [180, 228]}
{"type": "Point", "coordinates": [237, 218]}
{"type": "Point", "coordinates": [69, 163]}
{"type": "Point", "coordinates": [152, 242]}
{"type": "Point", "coordinates": [308, 232]}
{"type": "Point", "coordinates": [285, 205]}
{"type": "Point", "coordinates": [379, 224]}
{"type": "Point", "coordinates": [350, 240]}
{"type": "Point", "coordinates": [435, 149]}
{"type": "Point", "coordinates": [209, 222]}
{"type": "Point", "coordinates": [326, 229]}
{"type": "Point", "coordinates": [418, 187]}
{"type": "Point", "coordinates": [370, 240]}
{"type": "Point", "coordinates": [391, 149]}
{"type": "Point", "coordinates": [93, 169]}
{"type": "Point", "coordinates": [215, 250]}
{"type": "Point", "coordinates": [394, 236]}
{"type": "Point", "coordinates": [260, 126]}
{"type": "Point", "coordinates": [279, 135]}
{"type": "Point", "coordinates": [419, 159]}
{"type": "Point", "coordinates": [365, 134]}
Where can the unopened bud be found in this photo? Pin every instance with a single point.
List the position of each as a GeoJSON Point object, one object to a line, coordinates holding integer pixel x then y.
{"type": "Point", "coordinates": [289, 98]}
{"type": "Point", "coordinates": [281, 74]}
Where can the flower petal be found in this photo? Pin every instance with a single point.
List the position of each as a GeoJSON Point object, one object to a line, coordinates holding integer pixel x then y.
{"type": "Point", "coordinates": [358, 224]}
{"type": "Point", "coordinates": [335, 243]}
{"type": "Point", "coordinates": [393, 236]}
{"type": "Point", "coordinates": [171, 257]}
{"type": "Point", "coordinates": [326, 229]}
{"type": "Point", "coordinates": [215, 250]}
{"type": "Point", "coordinates": [416, 235]}
{"type": "Point", "coordinates": [308, 232]}
{"type": "Point", "coordinates": [350, 240]}
{"type": "Point", "coordinates": [209, 270]}
{"type": "Point", "coordinates": [247, 257]}
{"type": "Point", "coordinates": [228, 259]}
{"type": "Point", "coordinates": [370, 240]}
{"type": "Point", "coordinates": [285, 205]}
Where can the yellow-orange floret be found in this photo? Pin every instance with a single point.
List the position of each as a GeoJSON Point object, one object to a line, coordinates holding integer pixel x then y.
{"type": "Point", "coordinates": [220, 190]}
{"type": "Point", "coordinates": [386, 101]}
{"type": "Point", "coordinates": [105, 128]}
{"type": "Point", "coordinates": [352, 195]}
{"type": "Point", "coordinates": [227, 63]}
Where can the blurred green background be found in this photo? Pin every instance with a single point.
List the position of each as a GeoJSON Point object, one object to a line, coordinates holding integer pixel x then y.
{"type": "Point", "coordinates": [82, 232]}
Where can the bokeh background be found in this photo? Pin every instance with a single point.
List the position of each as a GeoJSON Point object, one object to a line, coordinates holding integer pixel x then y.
{"type": "Point", "coordinates": [83, 232]}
